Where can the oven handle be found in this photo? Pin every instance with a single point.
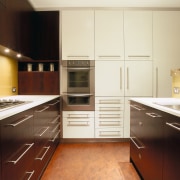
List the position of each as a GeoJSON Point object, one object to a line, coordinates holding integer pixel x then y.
{"type": "Point", "coordinates": [79, 95]}
{"type": "Point", "coordinates": [79, 68]}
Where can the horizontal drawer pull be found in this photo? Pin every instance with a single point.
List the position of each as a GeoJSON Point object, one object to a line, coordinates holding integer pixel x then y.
{"type": "Point", "coordinates": [55, 120]}
{"type": "Point", "coordinates": [109, 56]}
{"type": "Point", "coordinates": [109, 133]}
{"type": "Point", "coordinates": [146, 56]}
{"type": "Point", "coordinates": [55, 136]}
{"type": "Point", "coordinates": [39, 111]}
{"type": "Point", "coordinates": [109, 108]}
{"type": "Point", "coordinates": [110, 101]}
{"type": "Point", "coordinates": [20, 121]}
{"type": "Point", "coordinates": [109, 123]}
{"type": "Point", "coordinates": [42, 157]}
{"type": "Point", "coordinates": [78, 123]}
{"type": "Point", "coordinates": [78, 115]}
{"type": "Point", "coordinates": [43, 131]}
{"type": "Point", "coordinates": [16, 161]}
{"type": "Point", "coordinates": [136, 144]}
{"type": "Point", "coordinates": [174, 125]}
{"type": "Point", "coordinates": [153, 115]}
{"type": "Point", "coordinates": [137, 107]}
{"type": "Point", "coordinates": [78, 56]}
{"type": "Point", "coordinates": [30, 174]}
{"type": "Point", "coordinates": [52, 104]}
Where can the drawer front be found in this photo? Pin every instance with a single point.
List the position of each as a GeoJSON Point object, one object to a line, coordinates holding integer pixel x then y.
{"type": "Point", "coordinates": [78, 127]}
{"type": "Point", "coordinates": [109, 133]}
{"type": "Point", "coordinates": [109, 100]}
{"type": "Point", "coordinates": [78, 114]}
{"type": "Point", "coordinates": [108, 122]}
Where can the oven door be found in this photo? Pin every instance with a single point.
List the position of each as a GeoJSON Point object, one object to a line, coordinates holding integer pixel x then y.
{"type": "Point", "coordinates": [78, 80]}
{"type": "Point", "coordinates": [78, 102]}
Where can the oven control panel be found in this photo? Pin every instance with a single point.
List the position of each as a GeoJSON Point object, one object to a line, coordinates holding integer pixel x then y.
{"type": "Point", "coordinates": [78, 63]}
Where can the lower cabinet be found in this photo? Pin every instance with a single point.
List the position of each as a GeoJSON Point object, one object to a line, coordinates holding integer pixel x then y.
{"type": "Point", "coordinates": [154, 145]}
{"type": "Point", "coordinates": [28, 141]}
{"type": "Point", "coordinates": [78, 124]}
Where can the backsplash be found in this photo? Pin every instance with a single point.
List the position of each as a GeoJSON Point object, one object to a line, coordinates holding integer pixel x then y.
{"type": "Point", "coordinates": [8, 76]}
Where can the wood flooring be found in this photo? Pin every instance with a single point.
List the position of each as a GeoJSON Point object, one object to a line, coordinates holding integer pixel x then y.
{"type": "Point", "coordinates": [91, 161]}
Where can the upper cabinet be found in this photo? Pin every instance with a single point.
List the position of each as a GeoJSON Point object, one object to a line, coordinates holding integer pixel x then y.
{"type": "Point", "coordinates": [78, 34]}
{"type": "Point", "coordinates": [46, 35]}
{"type": "Point", "coordinates": [109, 40]}
{"type": "Point", "coordinates": [138, 35]}
{"type": "Point", "coordinates": [166, 53]}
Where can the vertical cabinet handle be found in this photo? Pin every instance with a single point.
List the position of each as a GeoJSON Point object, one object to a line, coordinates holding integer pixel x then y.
{"type": "Point", "coordinates": [157, 74]}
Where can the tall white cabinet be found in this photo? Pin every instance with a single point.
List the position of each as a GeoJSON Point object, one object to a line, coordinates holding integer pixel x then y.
{"type": "Point", "coordinates": [166, 50]}
{"type": "Point", "coordinates": [78, 34]}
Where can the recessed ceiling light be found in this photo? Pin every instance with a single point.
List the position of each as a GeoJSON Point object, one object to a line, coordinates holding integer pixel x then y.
{"type": "Point", "coordinates": [6, 50]}
{"type": "Point", "coordinates": [18, 55]}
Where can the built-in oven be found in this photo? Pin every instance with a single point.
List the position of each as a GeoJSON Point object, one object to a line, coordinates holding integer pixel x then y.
{"type": "Point", "coordinates": [78, 85]}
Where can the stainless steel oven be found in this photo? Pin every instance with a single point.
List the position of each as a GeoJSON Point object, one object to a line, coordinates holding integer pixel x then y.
{"type": "Point", "coordinates": [78, 84]}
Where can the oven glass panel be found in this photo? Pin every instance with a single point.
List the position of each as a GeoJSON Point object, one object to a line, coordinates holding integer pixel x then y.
{"type": "Point", "coordinates": [78, 79]}
{"type": "Point", "coordinates": [79, 100]}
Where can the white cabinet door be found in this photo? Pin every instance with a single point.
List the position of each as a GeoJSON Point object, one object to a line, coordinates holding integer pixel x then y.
{"type": "Point", "coordinates": [138, 78]}
{"type": "Point", "coordinates": [166, 43]}
{"type": "Point", "coordinates": [109, 79]}
{"type": "Point", "coordinates": [109, 40]}
{"type": "Point", "coordinates": [78, 34]}
{"type": "Point", "coordinates": [138, 35]}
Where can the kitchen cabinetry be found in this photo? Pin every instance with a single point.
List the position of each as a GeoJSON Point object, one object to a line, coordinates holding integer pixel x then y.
{"type": "Point", "coordinates": [146, 145]}
{"type": "Point", "coordinates": [109, 117]}
{"type": "Point", "coordinates": [46, 35]}
{"type": "Point", "coordinates": [78, 34]}
{"type": "Point", "coordinates": [47, 134]}
{"type": "Point", "coordinates": [138, 35]}
{"type": "Point", "coordinates": [17, 146]}
{"type": "Point", "coordinates": [166, 28]}
{"type": "Point", "coordinates": [109, 37]}
{"type": "Point", "coordinates": [172, 148]}
{"type": "Point", "coordinates": [37, 82]}
{"type": "Point", "coordinates": [78, 124]}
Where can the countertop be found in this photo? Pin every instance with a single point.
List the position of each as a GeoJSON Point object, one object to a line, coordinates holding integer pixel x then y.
{"type": "Point", "coordinates": [32, 101]}
{"type": "Point", "coordinates": [158, 103]}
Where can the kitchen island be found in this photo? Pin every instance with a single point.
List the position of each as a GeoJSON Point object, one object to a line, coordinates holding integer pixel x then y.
{"type": "Point", "coordinates": [29, 135]}
{"type": "Point", "coordinates": [155, 137]}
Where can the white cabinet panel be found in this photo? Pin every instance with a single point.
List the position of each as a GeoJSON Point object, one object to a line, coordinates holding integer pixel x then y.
{"type": "Point", "coordinates": [109, 40]}
{"type": "Point", "coordinates": [109, 79]}
{"type": "Point", "coordinates": [138, 35]}
{"type": "Point", "coordinates": [166, 43]}
{"type": "Point", "coordinates": [78, 34]}
{"type": "Point", "coordinates": [138, 78]}
{"type": "Point", "coordinates": [78, 124]}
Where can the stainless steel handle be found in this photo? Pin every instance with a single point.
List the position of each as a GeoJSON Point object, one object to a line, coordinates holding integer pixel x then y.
{"type": "Point", "coordinates": [157, 76]}
{"type": "Point", "coordinates": [41, 158]}
{"type": "Point", "coordinates": [79, 68]}
{"type": "Point", "coordinates": [139, 147]}
{"type": "Point", "coordinates": [146, 56]}
{"type": "Point", "coordinates": [109, 108]}
{"type": "Point", "coordinates": [174, 125]}
{"type": "Point", "coordinates": [55, 119]}
{"type": "Point", "coordinates": [79, 95]}
{"type": "Point", "coordinates": [109, 101]}
{"type": "Point", "coordinates": [52, 104]}
{"type": "Point", "coordinates": [20, 121]}
{"type": "Point", "coordinates": [75, 116]}
{"type": "Point", "coordinates": [78, 56]}
{"type": "Point", "coordinates": [55, 136]}
{"type": "Point", "coordinates": [81, 123]}
{"type": "Point", "coordinates": [113, 133]}
{"type": "Point", "coordinates": [127, 78]}
{"type": "Point", "coordinates": [120, 78]}
{"type": "Point", "coordinates": [109, 56]}
{"type": "Point", "coordinates": [39, 111]}
{"type": "Point", "coordinates": [111, 123]}
{"type": "Point", "coordinates": [16, 161]}
{"type": "Point", "coordinates": [137, 107]}
{"type": "Point", "coordinates": [57, 127]}
{"type": "Point", "coordinates": [45, 129]}
{"type": "Point", "coordinates": [153, 115]}
{"type": "Point", "coordinates": [31, 174]}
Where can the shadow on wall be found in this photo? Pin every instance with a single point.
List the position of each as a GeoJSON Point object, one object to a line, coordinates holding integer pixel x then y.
{"type": "Point", "coordinates": [8, 76]}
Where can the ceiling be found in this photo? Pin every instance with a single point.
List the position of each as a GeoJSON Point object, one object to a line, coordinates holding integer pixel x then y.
{"type": "Point", "coordinates": [47, 4]}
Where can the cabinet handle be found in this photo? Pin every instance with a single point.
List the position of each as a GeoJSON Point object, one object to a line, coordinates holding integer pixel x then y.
{"type": "Point", "coordinates": [116, 123]}
{"type": "Point", "coordinates": [58, 125]}
{"type": "Point", "coordinates": [31, 174]}
{"type": "Point", "coordinates": [117, 133]}
{"type": "Point", "coordinates": [55, 119]}
{"type": "Point", "coordinates": [137, 107]}
{"type": "Point", "coordinates": [153, 115]}
{"type": "Point", "coordinates": [139, 147]}
{"type": "Point", "coordinates": [39, 111]}
{"type": "Point", "coordinates": [109, 108]}
{"type": "Point", "coordinates": [80, 56]}
{"type": "Point", "coordinates": [55, 136]}
{"type": "Point", "coordinates": [46, 128]}
{"type": "Point", "coordinates": [41, 158]}
{"type": "Point", "coordinates": [81, 123]}
{"type": "Point", "coordinates": [127, 78]}
{"type": "Point", "coordinates": [145, 56]}
{"type": "Point", "coordinates": [21, 121]}
{"type": "Point", "coordinates": [174, 125]}
{"type": "Point", "coordinates": [52, 104]}
{"type": "Point", "coordinates": [113, 116]}
{"type": "Point", "coordinates": [109, 101]}
{"type": "Point", "coordinates": [157, 76]}
{"type": "Point", "coordinates": [75, 116]}
{"type": "Point", "coordinates": [120, 78]}
{"type": "Point", "coordinates": [29, 146]}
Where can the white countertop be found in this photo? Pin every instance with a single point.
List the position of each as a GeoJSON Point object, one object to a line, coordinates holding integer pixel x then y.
{"type": "Point", "coordinates": [34, 100]}
{"type": "Point", "coordinates": [154, 103]}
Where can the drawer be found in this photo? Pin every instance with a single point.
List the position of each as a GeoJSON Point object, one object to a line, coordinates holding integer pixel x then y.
{"type": "Point", "coordinates": [78, 114]}
{"type": "Point", "coordinates": [109, 114]}
{"type": "Point", "coordinates": [78, 127]}
{"type": "Point", "coordinates": [109, 100]}
{"type": "Point", "coordinates": [108, 122]}
{"type": "Point", "coordinates": [109, 133]}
